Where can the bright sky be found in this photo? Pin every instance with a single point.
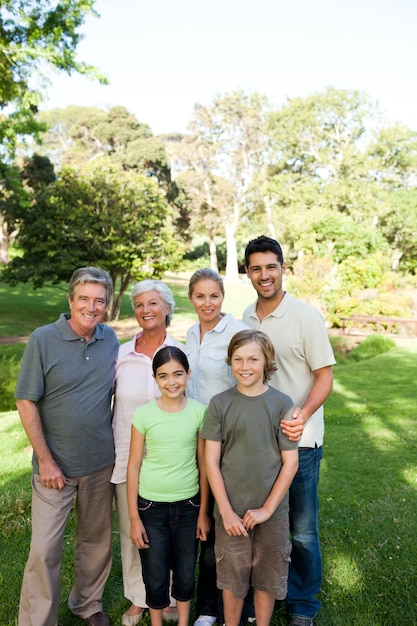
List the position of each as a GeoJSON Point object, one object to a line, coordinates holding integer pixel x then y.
{"type": "Point", "coordinates": [163, 56]}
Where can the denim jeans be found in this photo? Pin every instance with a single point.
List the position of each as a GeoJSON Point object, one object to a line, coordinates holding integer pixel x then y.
{"type": "Point", "coordinates": [305, 569]}
{"type": "Point", "coordinates": [171, 529]}
{"type": "Point", "coordinates": [209, 598]}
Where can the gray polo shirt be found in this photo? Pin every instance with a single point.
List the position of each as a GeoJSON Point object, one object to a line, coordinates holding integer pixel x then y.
{"type": "Point", "coordinates": [71, 382]}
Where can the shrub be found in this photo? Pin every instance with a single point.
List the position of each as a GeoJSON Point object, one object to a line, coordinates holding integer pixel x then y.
{"type": "Point", "coordinates": [371, 346]}
{"type": "Point", "coordinates": [9, 368]}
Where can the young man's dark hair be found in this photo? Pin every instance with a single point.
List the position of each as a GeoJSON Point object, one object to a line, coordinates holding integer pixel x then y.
{"type": "Point", "coordinates": [263, 244]}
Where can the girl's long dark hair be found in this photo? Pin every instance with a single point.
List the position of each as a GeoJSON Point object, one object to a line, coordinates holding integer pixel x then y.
{"type": "Point", "coordinates": [168, 353]}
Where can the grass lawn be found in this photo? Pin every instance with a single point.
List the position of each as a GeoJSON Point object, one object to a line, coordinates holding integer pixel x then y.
{"type": "Point", "coordinates": [368, 480]}
{"type": "Point", "coordinates": [368, 503]}
{"type": "Point", "coordinates": [23, 309]}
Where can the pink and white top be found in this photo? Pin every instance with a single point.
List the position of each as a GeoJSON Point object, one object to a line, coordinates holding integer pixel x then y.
{"type": "Point", "coordinates": [134, 386]}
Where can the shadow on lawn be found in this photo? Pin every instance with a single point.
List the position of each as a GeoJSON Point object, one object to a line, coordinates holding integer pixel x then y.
{"type": "Point", "coordinates": [368, 505]}
{"type": "Point", "coordinates": [368, 494]}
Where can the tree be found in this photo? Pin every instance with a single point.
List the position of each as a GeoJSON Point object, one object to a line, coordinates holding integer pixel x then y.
{"type": "Point", "coordinates": [100, 215]}
{"type": "Point", "coordinates": [394, 154]}
{"type": "Point", "coordinates": [224, 148]}
{"type": "Point", "coordinates": [77, 135]}
{"type": "Point", "coordinates": [398, 225]}
{"type": "Point", "coordinates": [34, 37]}
{"type": "Point", "coordinates": [321, 168]}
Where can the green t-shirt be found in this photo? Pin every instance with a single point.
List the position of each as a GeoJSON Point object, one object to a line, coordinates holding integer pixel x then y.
{"type": "Point", "coordinates": [169, 469]}
{"type": "Point", "coordinates": [248, 428]}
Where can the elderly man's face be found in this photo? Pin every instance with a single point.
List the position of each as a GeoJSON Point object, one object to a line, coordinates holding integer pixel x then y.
{"type": "Point", "coordinates": [87, 308]}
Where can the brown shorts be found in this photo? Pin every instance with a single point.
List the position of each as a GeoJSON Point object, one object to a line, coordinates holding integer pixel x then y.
{"type": "Point", "coordinates": [260, 560]}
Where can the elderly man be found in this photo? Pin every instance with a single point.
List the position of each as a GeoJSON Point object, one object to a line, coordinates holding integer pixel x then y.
{"type": "Point", "coordinates": [63, 394]}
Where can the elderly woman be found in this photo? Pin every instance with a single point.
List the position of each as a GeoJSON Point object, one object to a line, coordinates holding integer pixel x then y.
{"type": "Point", "coordinates": [153, 304]}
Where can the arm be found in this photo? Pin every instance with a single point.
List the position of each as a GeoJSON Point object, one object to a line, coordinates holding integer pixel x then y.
{"type": "Point", "coordinates": [232, 523]}
{"type": "Point", "coordinates": [203, 522]}
{"type": "Point", "coordinates": [137, 530]}
{"type": "Point", "coordinates": [278, 491]}
{"type": "Point", "coordinates": [49, 471]}
{"type": "Point", "coordinates": [322, 386]}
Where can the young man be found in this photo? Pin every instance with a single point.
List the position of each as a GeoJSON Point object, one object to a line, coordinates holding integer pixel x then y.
{"type": "Point", "coordinates": [63, 393]}
{"type": "Point", "coordinates": [305, 357]}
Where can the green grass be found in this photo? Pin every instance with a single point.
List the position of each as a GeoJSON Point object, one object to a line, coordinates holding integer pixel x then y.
{"type": "Point", "coordinates": [368, 480]}
{"type": "Point", "coordinates": [368, 493]}
{"type": "Point", "coordinates": [368, 503]}
{"type": "Point", "coordinates": [23, 309]}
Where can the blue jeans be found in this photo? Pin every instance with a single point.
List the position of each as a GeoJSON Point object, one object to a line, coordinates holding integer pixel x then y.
{"type": "Point", "coordinates": [171, 529]}
{"type": "Point", "coordinates": [304, 580]}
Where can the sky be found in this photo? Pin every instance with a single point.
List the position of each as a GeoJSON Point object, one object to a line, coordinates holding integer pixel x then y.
{"type": "Point", "coordinates": [164, 56]}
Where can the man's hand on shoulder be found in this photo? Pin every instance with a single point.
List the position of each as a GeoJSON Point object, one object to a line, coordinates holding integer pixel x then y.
{"type": "Point", "coordinates": [294, 428]}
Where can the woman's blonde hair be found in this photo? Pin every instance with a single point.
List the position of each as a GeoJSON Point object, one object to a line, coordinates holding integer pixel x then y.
{"type": "Point", "coordinates": [205, 273]}
{"type": "Point", "coordinates": [246, 336]}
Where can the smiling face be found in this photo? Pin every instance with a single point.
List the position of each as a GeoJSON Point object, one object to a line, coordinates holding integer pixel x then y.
{"type": "Point", "coordinates": [207, 299]}
{"type": "Point", "coordinates": [265, 272]}
{"type": "Point", "coordinates": [87, 308]}
{"type": "Point", "coordinates": [248, 366]}
{"type": "Point", "coordinates": [150, 310]}
{"type": "Point", "coordinates": [171, 379]}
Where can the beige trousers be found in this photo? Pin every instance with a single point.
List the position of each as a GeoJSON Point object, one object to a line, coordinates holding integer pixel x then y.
{"type": "Point", "coordinates": [40, 594]}
{"type": "Point", "coordinates": [134, 589]}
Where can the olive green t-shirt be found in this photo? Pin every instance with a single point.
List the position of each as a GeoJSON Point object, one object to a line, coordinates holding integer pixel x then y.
{"type": "Point", "coordinates": [249, 430]}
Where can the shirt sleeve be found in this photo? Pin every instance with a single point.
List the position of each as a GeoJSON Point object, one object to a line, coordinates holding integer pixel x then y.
{"type": "Point", "coordinates": [138, 420]}
{"type": "Point", "coordinates": [30, 382]}
{"type": "Point", "coordinates": [212, 428]}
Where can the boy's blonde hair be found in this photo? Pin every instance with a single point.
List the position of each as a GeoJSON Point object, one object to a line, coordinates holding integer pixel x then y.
{"type": "Point", "coordinates": [246, 336]}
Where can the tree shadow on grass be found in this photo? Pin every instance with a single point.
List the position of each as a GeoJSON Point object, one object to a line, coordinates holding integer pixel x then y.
{"type": "Point", "coordinates": [368, 494]}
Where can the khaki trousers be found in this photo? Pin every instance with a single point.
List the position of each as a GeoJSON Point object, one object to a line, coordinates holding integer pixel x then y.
{"type": "Point", "coordinates": [40, 594]}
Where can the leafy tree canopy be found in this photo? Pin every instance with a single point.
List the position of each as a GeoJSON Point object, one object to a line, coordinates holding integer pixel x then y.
{"type": "Point", "coordinates": [100, 215]}
{"type": "Point", "coordinates": [76, 135]}
{"type": "Point", "coordinates": [35, 36]}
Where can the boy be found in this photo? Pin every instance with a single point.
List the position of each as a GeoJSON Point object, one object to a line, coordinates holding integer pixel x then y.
{"type": "Point", "coordinates": [250, 465]}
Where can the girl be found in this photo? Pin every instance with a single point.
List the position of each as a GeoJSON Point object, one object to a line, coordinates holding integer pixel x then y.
{"type": "Point", "coordinates": [170, 514]}
{"type": "Point", "coordinates": [250, 466]}
{"type": "Point", "coordinates": [153, 304]}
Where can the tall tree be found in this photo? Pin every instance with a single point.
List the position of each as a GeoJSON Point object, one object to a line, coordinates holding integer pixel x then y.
{"type": "Point", "coordinates": [394, 153]}
{"type": "Point", "coordinates": [77, 135]}
{"type": "Point", "coordinates": [321, 167]}
{"type": "Point", "coordinates": [224, 147]}
{"type": "Point", "coordinates": [34, 37]}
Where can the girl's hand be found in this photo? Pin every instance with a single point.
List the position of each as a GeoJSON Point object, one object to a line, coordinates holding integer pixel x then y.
{"type": "Point", "coordinates": [254, 517]}
{"type": "Point", "coordinates": [138, 535]}
{"type": "Point", "coordinates": [203, 526]}
{"type": "Point", "coordinates": [233, 524]}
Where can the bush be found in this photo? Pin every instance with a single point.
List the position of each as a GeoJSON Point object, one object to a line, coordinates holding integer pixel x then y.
{"type": "Point", "coordinates": [372, 346]}
{"type": "Point", "coordinates": [9, 368]}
